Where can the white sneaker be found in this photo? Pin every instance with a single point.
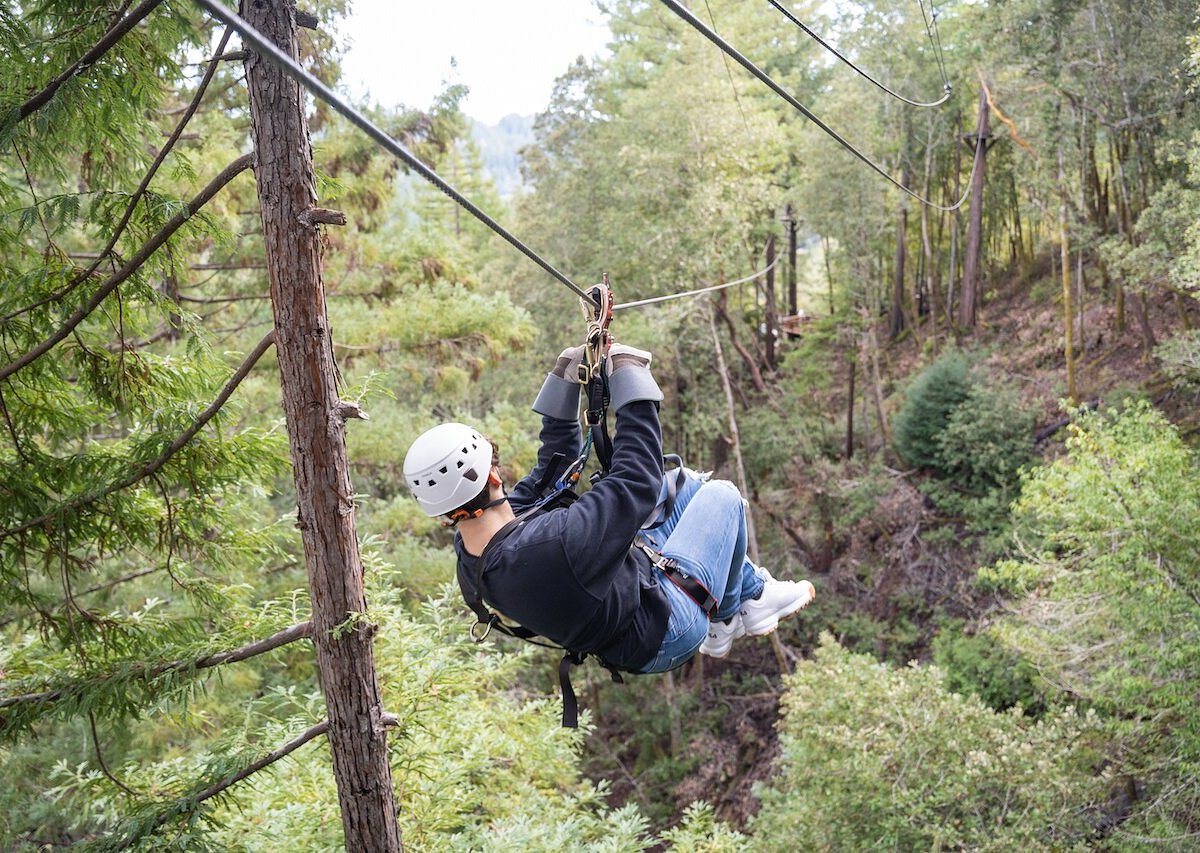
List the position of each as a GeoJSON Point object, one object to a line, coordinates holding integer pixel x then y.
{"type": "Point", "coordinates": [721, 636]}
{"type": "Point", "coordinates": [778, 599]}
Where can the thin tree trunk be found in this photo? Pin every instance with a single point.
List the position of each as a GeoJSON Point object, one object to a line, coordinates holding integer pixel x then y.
{"type": "Point", "coordinates": [897, 323]}
{"type": "Point", "coordinates": [969, 301]}
{"type": "Point", "coordinates": [734, 435]}
{"type": "Point", "coordinates": [952, 266]}
{"type": "Point", "coordinates": [872, 347]}
{"type": "Point", "coordinates": [751, 364]}
{"type": "Point", "coordinates": [828, 273]}
{"type": "Point", "coordinates": [793, 304]}
{"type": "Point", "coordinates": [850, 408]}
{"type": "Point", "coordinates": [316, 433]}
{"type": "Point", "coordinates": [1065, 270]}
{"type": "Point", "coordinates": [772, 321]}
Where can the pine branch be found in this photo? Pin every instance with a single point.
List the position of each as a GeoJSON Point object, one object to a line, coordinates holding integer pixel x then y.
{"type": "Point", "coordinates": [153, 466]}
{"type": "Point", "coordinates": [299, 631]}
{"type": "Point", "coordinates": [216, 185]}
{"type": "Point", "coordinates": [109, 40]}
{"type": "Point", "coordinates": [188, 804]}
{"type": "Point", "coordinates": [83, 275]}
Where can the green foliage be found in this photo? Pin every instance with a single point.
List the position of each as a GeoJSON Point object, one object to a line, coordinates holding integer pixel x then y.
{"type": "Point", "coordinates": [928, 404]}
{"type": "Point", "coordinates": [977, 664]}
{"type": "Point", "coordinates": [877, 757]}
{"type": "Point", "coordinates": [1113, 617]}
{"type": "Point", "coordinates": [1180, 358]}
{"type": "Point", "coordinates": [973, 434]}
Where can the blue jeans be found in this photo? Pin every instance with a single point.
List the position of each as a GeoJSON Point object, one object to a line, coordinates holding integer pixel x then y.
{"type": "Point", "coordinates": [706, 535]}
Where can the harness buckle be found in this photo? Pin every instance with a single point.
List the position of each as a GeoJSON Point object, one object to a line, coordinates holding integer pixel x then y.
{"type": "Point", "coordinates": [691, 587]}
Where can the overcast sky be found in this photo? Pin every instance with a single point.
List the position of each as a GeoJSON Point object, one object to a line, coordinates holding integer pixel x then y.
{"type": "Point", "coordinates": [507, 52]}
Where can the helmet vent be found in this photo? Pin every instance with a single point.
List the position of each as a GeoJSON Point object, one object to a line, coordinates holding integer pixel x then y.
{"type": "Point", "coordinates": [459, 464]}
{"type": "Point", "coordinates": [433, 482]}
{"type": "Point", "coordinates": [442, 469]}
{"type": "Point", "coordinates": [470, 474]}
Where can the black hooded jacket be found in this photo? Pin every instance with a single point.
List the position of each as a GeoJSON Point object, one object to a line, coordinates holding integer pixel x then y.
{"type": "Point", "coordinates": [570, 574]}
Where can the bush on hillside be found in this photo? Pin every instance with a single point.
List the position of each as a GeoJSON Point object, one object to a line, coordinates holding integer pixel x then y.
{"type": "Point", "coordinates": [931, 399]}
{"type": "Point", "coordinates": [1113, 614]}
{"type": "Point", "coordinates": [876, 757]}
{"type": "Point", "coordinates": [972, 434]}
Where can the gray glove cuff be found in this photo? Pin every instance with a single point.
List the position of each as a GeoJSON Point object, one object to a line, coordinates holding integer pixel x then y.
{"type": "Point", "coordinates": [559, 398]}
{"type": "Point", "coordinates": [630, 384]}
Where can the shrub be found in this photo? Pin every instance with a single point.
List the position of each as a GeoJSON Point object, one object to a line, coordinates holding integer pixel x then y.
{"type": "Point", "coordinates": [875, 757]}
{"type": "Point", "coordinates": [981, 666]}
{"type": "Point", "coordinates": [1113, 615]}
{"type": "Point", "coordinates": [930, 401]}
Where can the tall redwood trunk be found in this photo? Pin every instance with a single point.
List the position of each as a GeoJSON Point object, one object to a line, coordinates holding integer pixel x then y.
{"type": "Point", "coordinates": [316, 433]}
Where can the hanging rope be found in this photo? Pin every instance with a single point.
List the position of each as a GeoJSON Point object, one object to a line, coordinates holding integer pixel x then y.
{"type": "Point", "coordinates": [289, 66]}
{"type": "Point", "coordinates": [652, 300]}
{"type": "Point", "coordinates": [766, 79]}
{"type": "Point", "coordinates": [946, 89]}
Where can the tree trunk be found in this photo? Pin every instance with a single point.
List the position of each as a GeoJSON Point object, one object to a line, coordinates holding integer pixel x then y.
{"type": "Point", "coordinates": [793, 304]}
{"type": "Point", "coordinates": [969, 300]}
{"type": "Point", "coordinates": [734, 435]}
{"type": "Point", "coordinates": [896, 325]}
{"type": "Point", "coordinates": [1065, 265]}
{"type": "Point", "coordinates": [850, 408]}
{"type": "Point", "coordinates": [316, 434]}
{"type": "Point", "coordinates": [772, 321]}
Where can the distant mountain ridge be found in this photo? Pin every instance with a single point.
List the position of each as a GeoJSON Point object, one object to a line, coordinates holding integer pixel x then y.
{"type": "Point", "coordinates": [499, 145]}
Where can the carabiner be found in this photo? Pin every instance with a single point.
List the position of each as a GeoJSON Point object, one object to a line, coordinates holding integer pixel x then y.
{"type": "Point", "coordinates": [598, 309]}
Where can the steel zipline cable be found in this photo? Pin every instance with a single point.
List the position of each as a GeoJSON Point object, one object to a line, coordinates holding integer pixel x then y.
{"type": "Point", "coordinates": [654, 299]}
{"type": "Point", "coordinates": [946, 93]}
{"type": "Point", "coordinates": [682, 11]}
{"type": "Point", "coordinates": [935, 37]}
{"type": "Point", "coordinates": [268, 50]}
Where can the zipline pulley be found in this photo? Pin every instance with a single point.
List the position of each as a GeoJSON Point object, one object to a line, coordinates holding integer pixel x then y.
{"type": "Point", "coordinates": [593, 373]}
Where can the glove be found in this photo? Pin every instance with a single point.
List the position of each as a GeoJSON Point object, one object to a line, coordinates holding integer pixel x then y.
{"type": "Point", "coordinates": [567, 366]}
{"type": "Point", "coordinates": [559, 395]}
{"type": "Point", "coordinates": [629, 377]}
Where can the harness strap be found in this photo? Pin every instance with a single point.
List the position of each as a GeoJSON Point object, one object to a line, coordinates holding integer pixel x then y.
{"type": "Point", "coordinates": [691, 587]}
{"type": "Point", "coordinates": [673, 485]}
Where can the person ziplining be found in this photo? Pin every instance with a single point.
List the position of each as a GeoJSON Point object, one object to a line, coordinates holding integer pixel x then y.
{"type": "Point", "coordinates": [641, 571]}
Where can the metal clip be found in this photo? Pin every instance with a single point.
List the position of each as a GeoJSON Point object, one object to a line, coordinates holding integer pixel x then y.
{"type": "Point", "coordinates": [487, 629]}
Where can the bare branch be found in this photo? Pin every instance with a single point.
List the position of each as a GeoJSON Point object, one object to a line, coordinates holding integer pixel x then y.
{"type": "Point", "coordinates": [322, 215]}
{"type": "Point", "coordinates": [174, 447]}
{"type": "Point", "coordinates": [216, 185]}
{"type": "Point", "coordinates": [114, 35]}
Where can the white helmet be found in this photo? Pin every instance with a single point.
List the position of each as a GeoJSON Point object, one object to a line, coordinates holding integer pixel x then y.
{"type": "Point", "coordinates": [447, 466]}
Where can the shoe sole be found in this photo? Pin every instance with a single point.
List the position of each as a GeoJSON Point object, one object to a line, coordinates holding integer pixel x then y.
{"type": "Point", "coordinates": [772, 621]}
